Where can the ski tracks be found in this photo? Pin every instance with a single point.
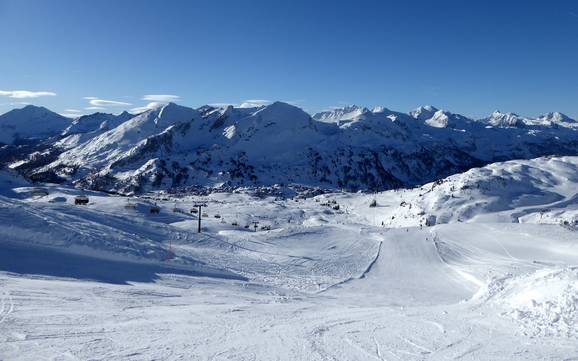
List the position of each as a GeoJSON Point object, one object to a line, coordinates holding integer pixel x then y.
{"type": "Point", "coordinates": [6, 306]}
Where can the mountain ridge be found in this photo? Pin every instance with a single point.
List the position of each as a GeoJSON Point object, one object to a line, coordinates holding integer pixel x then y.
{"type": "Point", "coordinates": [351, 148]}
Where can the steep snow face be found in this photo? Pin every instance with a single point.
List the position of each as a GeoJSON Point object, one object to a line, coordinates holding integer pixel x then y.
{"type": "Point", "coordinates": [424, 112]}
{"type": "Point", "coordinates": [340, 115]}
{"type": "Point", "coordinates": [96, 122]}
{"type": "Point", "coordinates": [380, 109]}
{"type": "Point", "coordinates": [30, 123]}
{"type": "Point", "coordinates": [499, 119]}
{"type": "Point", "coordinates": [175, 145]}
{"type": "Point", "coordinates": [359, 125]}
{"type": "Point", "coordinates": [437, 118]}
{"type": "Point", "coordinates": [87, 127]}
{"type": "Point", "coordinates": [115, 143]}
{"type": "Point", "coordinates": [555, 118]}
{"type": "Point", "coordinates": [275, 130]}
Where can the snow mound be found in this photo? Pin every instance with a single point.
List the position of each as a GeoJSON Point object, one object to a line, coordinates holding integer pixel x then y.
{"type": "Point", "coordinates": [544, 302]}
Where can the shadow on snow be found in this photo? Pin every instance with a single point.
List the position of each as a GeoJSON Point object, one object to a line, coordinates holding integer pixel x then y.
{"type": "Point", "coordinates": [48, 262]}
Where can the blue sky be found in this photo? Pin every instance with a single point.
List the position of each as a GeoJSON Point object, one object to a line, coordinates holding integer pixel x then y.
{"type": "Point", "coordinates": [465, 56]}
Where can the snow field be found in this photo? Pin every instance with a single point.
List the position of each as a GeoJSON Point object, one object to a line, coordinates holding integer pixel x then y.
{"type": "Point", "coordinates": [489, 282]}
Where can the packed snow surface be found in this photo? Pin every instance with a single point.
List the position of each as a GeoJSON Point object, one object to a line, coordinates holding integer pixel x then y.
{"type": "Point", "coordinates": [478, 266]}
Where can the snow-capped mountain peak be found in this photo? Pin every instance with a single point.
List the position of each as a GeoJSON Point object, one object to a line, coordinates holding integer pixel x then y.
{"type": "Point", "coordinates": [499, 119]}
{"type": "Point", "coordinates": [30, 122]}
{"type": "Point", "coordinates": [96, 121]}
{"type": "Point", "coordinates": [350, 147]}
{"type": "Point", "coordinates": [380, 109]}
{"type": "Point", "coordinates": [439, 120]}
{"type": "Point", "coordinates": [346, 113]}
{"type": "Point", "coordinates": [281, 112]}
{"type": "Point", "coordinates": [424, 112]}
{"type": "Point", "coordinates": [556, 117]}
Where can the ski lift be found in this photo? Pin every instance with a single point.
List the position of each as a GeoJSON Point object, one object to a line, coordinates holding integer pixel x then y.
{"type": "Point", "coordinates": [129, 204]}
{"type": "Point", "coordinates": [39, 192]}
{"type": "Point", "coordinates": [177, 209]}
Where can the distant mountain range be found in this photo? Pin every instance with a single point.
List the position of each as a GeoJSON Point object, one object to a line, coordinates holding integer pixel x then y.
{"type": "Point", "coordinates": [350, 148]}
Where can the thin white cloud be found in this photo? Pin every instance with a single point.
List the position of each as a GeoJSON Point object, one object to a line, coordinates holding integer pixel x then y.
{"type": "Point", "coordinates": [70, 115]}
{"type": "Point", "coordinates": [251, 103]}
{"type": "Point", "coordinates": [219, 105]}
{"type": "Point", "coordinates": [23, 94]}
{"type": "Point", "coordinates": [11, 104]}
{"type": "Point", "coordinates": [97, 102]}
{"type": "Point", "coordinates": [161, 98]}
{"type": "Point", "coordinates": [149, 106]}
{"type": "Point", "coordinates": [156, 100]}
{"type": "Point", "coordinates": [95, 108]}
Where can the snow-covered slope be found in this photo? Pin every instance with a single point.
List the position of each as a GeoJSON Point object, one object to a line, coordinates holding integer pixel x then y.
{"type": "Point", "coordinates": [30, 123]}
{"type": "Point", "coordinates": [542, 190]}
{"type": "Point", "coordinates": [117, 142]}
{"type": "Point", "coordinates": [86, 127]}
{"type": "Point", "coordinates": [96, 121]}
{"type": "Point", "coordinates": [320, 278]}
{"type": "Point", "coordinates": [9, 180]}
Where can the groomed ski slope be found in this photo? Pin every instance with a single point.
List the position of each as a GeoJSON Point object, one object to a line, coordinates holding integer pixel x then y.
{"type": "Point", "coordinates": [95, 282]}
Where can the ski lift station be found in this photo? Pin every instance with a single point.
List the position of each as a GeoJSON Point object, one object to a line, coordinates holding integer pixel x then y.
{"type": "Point", "coordinates": [39, 192]}
{"type": "Point", "coordinates": [81, 200]}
